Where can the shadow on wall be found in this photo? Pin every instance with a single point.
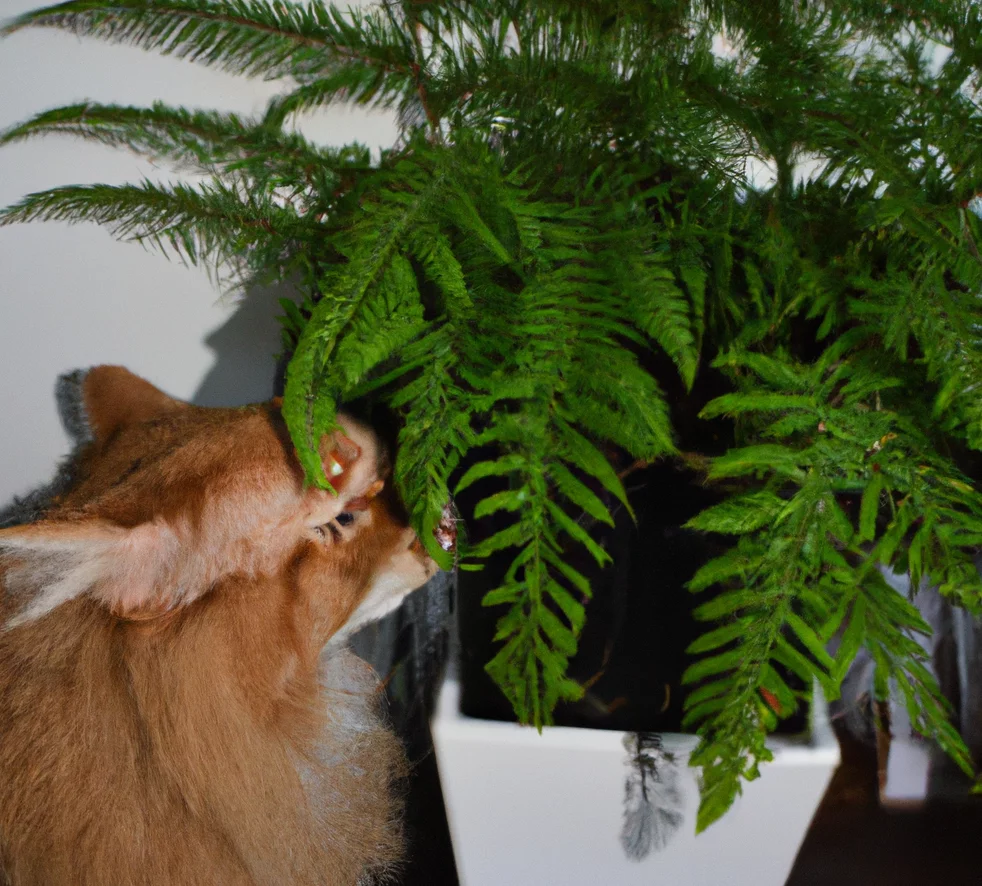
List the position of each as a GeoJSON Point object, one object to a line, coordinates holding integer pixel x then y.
{"type": "Point", "coordinates": [246, 349]}
{"type": "Point", "coordinates": [244, 370]}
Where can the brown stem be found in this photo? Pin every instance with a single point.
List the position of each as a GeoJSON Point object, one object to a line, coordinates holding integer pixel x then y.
{"type": "Point", "coordinates": [417, 71]}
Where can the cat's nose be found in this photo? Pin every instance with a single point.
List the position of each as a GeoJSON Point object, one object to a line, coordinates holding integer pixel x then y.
{"type": "Point", "coordinates": [445, 532]}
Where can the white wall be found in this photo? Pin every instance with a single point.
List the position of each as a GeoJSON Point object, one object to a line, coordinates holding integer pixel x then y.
{"type": "Point", "coordinates": [71, 296]}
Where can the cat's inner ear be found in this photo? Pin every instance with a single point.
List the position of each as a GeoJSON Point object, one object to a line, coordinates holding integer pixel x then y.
{"type": "Point", "coordinates": [97, 403]}
{"type": "Point", "coordinates": [52, 562]}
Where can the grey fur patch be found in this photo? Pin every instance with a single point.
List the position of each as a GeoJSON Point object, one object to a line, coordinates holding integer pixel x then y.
{"type": "Point", "coordinates": [71, 410]}
{"type": "Point", "coordinates": [71, 407]}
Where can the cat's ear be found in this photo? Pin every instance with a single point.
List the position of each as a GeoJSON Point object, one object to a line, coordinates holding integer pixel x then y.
{"type": "Point", "coordinates": [96, 403]}
{"type": "Point", "coordinates": [159, 564]}
{"type": "Point", "coordinates": [126, 568]}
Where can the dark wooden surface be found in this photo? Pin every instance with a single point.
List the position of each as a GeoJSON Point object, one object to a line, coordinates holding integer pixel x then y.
{"type": "Point", "coordinates": [853, 841]}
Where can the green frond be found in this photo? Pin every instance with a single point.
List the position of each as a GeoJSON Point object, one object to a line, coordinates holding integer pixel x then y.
{"type": "Point", "coordinates": [311, 384]}
{"type": "Point", "coordinates": [740, 514]}
{"type": "Point", "coordinates": [355, 84]}
{"type": "Point", "coordinates": [379, 332]}
{"type": "Point", "coordinates": [248, 37]}
{"type": "Point", "coordinates": [436, 434]}
{"type": "Point", "coordinates": [610, 396]}
{"type": "Point", "coordinates": [208, 222]}
{"type": "Point", "coordinates": [660, 310]}
{"type": "Point", "coordinates": [890, 622]}
{"type": "Point", "coordinates": [203, 139]}
{"type": "Point", "coordinates": [540, 628]}
{"type": "Point", "coordinates": [802, 561]}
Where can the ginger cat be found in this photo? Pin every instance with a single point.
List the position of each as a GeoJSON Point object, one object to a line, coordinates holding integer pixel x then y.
{"type": "Point", "coordinates": [177, 705]}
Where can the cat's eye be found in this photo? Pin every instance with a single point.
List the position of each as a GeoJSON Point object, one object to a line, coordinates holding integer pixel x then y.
{"type": "Point", "coordinates": [332, 528]}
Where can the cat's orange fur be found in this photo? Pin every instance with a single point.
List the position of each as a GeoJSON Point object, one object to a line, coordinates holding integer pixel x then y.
{"type": "Point", "coordinates": [176, 702]}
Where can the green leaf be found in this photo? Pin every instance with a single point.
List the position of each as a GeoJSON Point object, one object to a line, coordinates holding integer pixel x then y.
{"type": "Point", "coordinates": [739, 514]}
{"type": "Point", "coordinates": [810, 640]}
{"type": "Point", "coordinates": [559, 635]}
{"type": "Point", "coordinates": [505, 594]}
{"type": "Point", "coordinates": [581, 453]}
{"type": "Point", "coordinates": [870, 507]}
{"type": "Point", "coordinates": [207, 222]}
{"type": "Point", "coordinates": [512, 536]}
{"type": "Point", "coordinates": [805, 668]}
{"type": "Point", "coordinates": [579, 494]}
{"type": "Point", "coordinates": [500, 467]}
{"type": "Point", "coordinates": [659, 309]}
{"type": "Point", "coordinates": [578, 533]}
{"type": "Point", "coordinates": [773, 371]}
{"type": "Point", "coordinates": [736, 563]}
{"type": "Point", "coordinates": [708, 690]}
{"type": "Point", "coordinates": [247, 37]}
{"type": "Point", "coordinates": [737, 404]}
{"type": "Point", "coordinates": [720, 636]}
{"type": "Point", "coordinates": [851, 641]}
{"type": "Point", "coordinates": [570, 606]}
{"type": "Point", "coordinates": [716, 664]}
{"type": "Point", "coordinates": [506, 500]}
{"type": "Point", "coordinates": [728, 603]}
{"type": "Point", "coordinates": [576, 579]}
{"type": "Point", "coordinates": [762, 458]}
{"type": "Point", "coordinates": [697, 713]}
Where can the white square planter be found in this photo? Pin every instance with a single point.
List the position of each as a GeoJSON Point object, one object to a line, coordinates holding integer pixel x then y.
{"type": "Point", "coordinates": [546, 810]}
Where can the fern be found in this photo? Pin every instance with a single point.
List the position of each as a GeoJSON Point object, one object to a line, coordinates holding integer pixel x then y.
{"type": "Point", "coordinates": [207, 222]}
{"type": "Point", "coordinates": [805, 563]}
{"type": "Point", "coordinates": [372, 270]}
{"type": "Point", "coordinates": [241, 36]}
{"type": "Point", "coordinates": [538, 275]}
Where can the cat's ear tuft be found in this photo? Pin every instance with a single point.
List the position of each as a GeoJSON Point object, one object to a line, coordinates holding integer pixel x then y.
{"type": "Point", "coordinates": [97, 403]}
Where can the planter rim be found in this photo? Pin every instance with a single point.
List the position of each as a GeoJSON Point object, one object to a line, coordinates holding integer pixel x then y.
{"type": "Point", "coordinates": [816, 747]}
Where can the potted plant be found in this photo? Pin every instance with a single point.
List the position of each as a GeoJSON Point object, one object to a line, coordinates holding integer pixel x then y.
{"type": "Point", "coordinates": [737, 237]}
